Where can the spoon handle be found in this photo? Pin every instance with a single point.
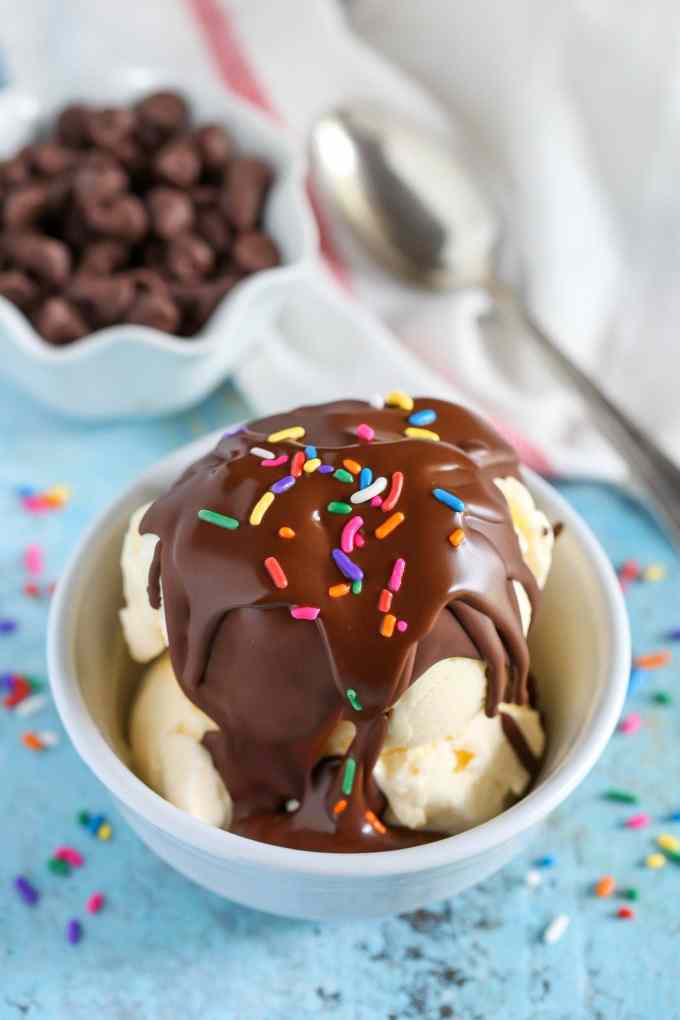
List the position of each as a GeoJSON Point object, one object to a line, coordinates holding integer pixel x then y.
{"type": "Point", "coordinates": [649, 465]}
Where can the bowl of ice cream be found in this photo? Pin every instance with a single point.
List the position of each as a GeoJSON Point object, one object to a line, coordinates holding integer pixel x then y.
{"type": "Point", "coordinates": [383, 671]}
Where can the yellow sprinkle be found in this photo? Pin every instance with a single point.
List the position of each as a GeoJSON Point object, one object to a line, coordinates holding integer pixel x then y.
{"type": "Point", "coordinates": [286, 532]}
{"type": "Point", "coordinates": [415, 433]}
{"type": "Point", "coordinates": [655, 861]}
{"type": "Point", "coordinates": [654, 572]}
{"type": "Point", "coordinates": [294, 432]}
{"type": "Point", "coordinates": [397, 398]}
{"type": "Point", "coordinates": [352, 466]}
{"type": "Point", "coordinates": [667, 841]}
{"type": "Point", "coordinates": [456, 537]}
{"type": "Point", "coordinates": [388, 624]}
{"type": "Point", "coordinates": [261, 507]}
{"type": "Point", "coordinates": [58, 493]}
{"type": "Point", "coordinates": [104, 831]}
{"type": "Point", "coordinates": [311, 465]}
{"type": "Point", "coordinates": [390, 524]}
{"type": "Point", "coordinates": [463, 759]}
{"type": "Point", "coordinates": [336, 591]}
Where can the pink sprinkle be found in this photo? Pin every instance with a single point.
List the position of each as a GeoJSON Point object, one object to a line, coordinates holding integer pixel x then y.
{"type": "Point", "coordinates": [402, 626]}
{"type": "Point", "coordinates": [95, 903]}
{"type": "Point", "coordinates": [631, 724]}
{"type": "Point", "coordinates": [34, 560]}
{"type": "Point", "coordinates": [365, 431]}
{"type": "Point", "coordinates": [377, 501]}
{"type": "Point", "coordinates": [397, 574]}
{"type": "Point", "coordinates": [68, 853]}
{"type": "Point", "coordinates": [640, 821]}
{"type": "Point", "coordinates": [349, 532]}
{"type": "Point", "coordinates": [36, 504]}
{"type": "Point", "coordinates": [304, 612]}
{"type": "Point", "coordinates": [276, 462]}
{"type": "Point", "coordinates": [359, 540]}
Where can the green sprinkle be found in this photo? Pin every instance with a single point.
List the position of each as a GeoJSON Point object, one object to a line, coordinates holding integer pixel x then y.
{"type": "Point", "coordinates": [353, 699]}
{"type": "Point", "coordinates": [621, 796]}
{"type": "Point", "coordinates": [221, 520]}
{"type": "Point", "coordinates": [357, 587]}
{"type": "Point", "coordinates": [348, 778]}
{"type": "Point", "coordinates": [631, 894]}
{"type": "Point", "coordinates": [59, 867]}
{"type": "Point", "coordinates": [83, 818]}
{"type": "Point", "coordinates": [343, 476]}
{"type": "Point", "coordinates": [673, 855]}
{"type": "Point", "coordinates": [662, 698]}
{"type": "Point", "coordinates": [339, 508]}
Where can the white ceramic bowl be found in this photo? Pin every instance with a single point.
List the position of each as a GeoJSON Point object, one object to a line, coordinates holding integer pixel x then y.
{"type": "Point", "coordinates": [581, 655]}
{"type": "Point", "coordinates": [137, 371]}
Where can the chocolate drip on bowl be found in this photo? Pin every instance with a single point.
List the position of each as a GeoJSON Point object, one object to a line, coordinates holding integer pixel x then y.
{"type": "Point", "coordinates": [312, 567]}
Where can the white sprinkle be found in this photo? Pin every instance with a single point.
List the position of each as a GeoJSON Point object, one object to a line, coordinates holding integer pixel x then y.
{"type": "Point", "coordinates": [377, 400]}
{"type": "Point", "coordinates": [556, 929]}
{"type": "Point", "coordinates": [48, 737]}
{"type": "Point", "coordinates": [374, 489]}
{"type": "Point", "coordinates": [258, 451]}
{"type": "Point", "coordinates": [292, 804]}
{"type": "Point", "coordinates": [29, 706]}
{"type": "Point", "coordinates": [533, 878]}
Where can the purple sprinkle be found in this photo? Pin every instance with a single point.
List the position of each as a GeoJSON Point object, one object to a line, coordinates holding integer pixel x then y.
{"type": "Point", "coordinates": [283, 484]}
{"type": "Point", "coordinates": [7, 626]}
{"type": "Point", "coordinates": [74, 931]}
{"type": "Point", "coordinates": [674, 635]}
{"type": "Point", "coordinates": [326, 469]}
{"type": "Point", "coordinates": [28, 892]}
{"type": "Point", "coordinates": [346, 567]}
{"type": "Point", "coordinates": [7, 681]}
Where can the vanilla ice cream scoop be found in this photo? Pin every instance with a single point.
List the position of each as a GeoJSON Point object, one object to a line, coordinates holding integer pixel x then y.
{"type": "Point", "coordinates": [445, 765]}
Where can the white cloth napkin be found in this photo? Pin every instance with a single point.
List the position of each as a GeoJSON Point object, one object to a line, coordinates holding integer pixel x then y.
{"type": "Point", "coordinates": [574, 106]}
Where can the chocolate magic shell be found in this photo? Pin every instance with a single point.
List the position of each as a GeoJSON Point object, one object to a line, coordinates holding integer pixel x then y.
{"type": "Point", "coordinates": [311, 568]}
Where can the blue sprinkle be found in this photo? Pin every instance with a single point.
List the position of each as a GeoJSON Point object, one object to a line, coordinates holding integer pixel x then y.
{"type": "Point", "coordinates": [424, 417]}
{"type": "Point", "coordinates": [346, 566]}
{"type": "Point", "coordinates": [7, 626]}
{"type": "Point", "coordinates": [310, 452]}
{"type": "Point", "coordinates": [365, 478]}
{"type": "Point", "coordinates": [549, 861]}
{"type": "Point", "coordinates": [26, 491]}
{"type": "Point", "coordinates": [95, 823]}
{"type": "Point", "coordinates": [673, 817]}
{"type": "Point", "coordinates": [326, 469]}
{"type": "Point", "coordinates": [283, 485]}
{"type": "Point", "coordinates": [637, 677]}
{"type": "Point", "coordinates": [449, 499]}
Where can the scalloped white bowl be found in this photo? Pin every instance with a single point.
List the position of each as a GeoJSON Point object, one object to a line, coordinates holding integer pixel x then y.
{"type": "Point", "coordinates": [580, 653]}
{"type": "Point", "coordinates": [135, 371]}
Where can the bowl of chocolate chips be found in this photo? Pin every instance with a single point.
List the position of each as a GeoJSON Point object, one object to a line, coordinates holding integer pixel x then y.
{"type": "Point", "coordinates": [145, 231]}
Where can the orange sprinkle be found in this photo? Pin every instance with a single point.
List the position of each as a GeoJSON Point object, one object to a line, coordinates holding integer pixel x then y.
{"type": "Point", "coordinates": [388, 624]}
{"type": "Point", "coordinates": [653, 661]}
{"type": "Point", "coordinates": [336, 591]}
{"type": "Point", "coordinates": [352, 466]}
{"type": "Point", "coordinates": [286, 532]}
{"type": "Point", "coordinates": [606, 886]}
{"type": "Point", "coordinates": [32, 740]}
{"type": "Point", "coordinates": [373, 820]}
{"type": "Point", "coordinates": [388, 526]}
{"type": "Point", "coordinates": [297, 463]}
{"type": "Point", "coordinates": [340, 807]}
{"type": "Point", "coordinates": [457, 537]}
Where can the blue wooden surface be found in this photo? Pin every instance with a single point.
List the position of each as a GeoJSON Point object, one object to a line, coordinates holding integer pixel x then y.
{"type": "Point", "coordinates": [164, 948]}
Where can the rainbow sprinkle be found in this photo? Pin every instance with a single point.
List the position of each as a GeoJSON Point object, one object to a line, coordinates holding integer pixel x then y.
{"type": "Point", "coordinates": [366, 432]}
{"type": "Point", "coordinates": [365, 477]}
{"type": "Point", "coordinates": [397, 398]}
{"type": "Point", "coordinates": [397, 575]}
{"type": "Point", "coordinates": [353, 699]}
{"type": "Point", "coordinates": [352, 465]}
{"type": "Point", "coordinates": [293, 432]}
{"type": "Point", "coordinates": [425, 417]}
{"type": "Point", "coordinates": [286, 532]}
{"type": "Point", "coordinates": [276, 572]}
{"type": "Point", "coordinates": [343, 476]}
{"type": "Point", "coordinates": [297, 464]}
{"type": "Point", "coordinates": [304, 612]}
{"type": "Point", "coordinates": [348, 777]}
{"type": "Point", "coordinates": [449, 499]}
{"type": "Point", "coordinates": [277, 462]}
{"type": "Point", "coordinates": [221, 520]}
{"type": "Point", "coordinates": [402, 627]}
{"type": "Point", "coordinates": [388, 624]}
{"type": "Point", "coordinates": [349, 533]}
{"type": "Point", "coordinates": [415, 433]}
{"type": "Point", "coordinates": [346, 566]}
{"type": "Point", "coordinates": [337, 507]}
{"type": "Point", "coordinates": [388, 526]}
{"type": "Point", "coordinates": [310, 466]}
{"type": "Point", "coordinates": [385, 601]}
{"type": "Point", "coordinates": [261, 507]}
{"type": "Point", "coordinates": [457, 537]}
{"type": "Point", "coordinates": [283, 485]}
{"type": "Point", "coordinates": [259, 451]}
{"type": "Point", "coordinates": [311, 452]}
{"type": "Point", "coordinates": [370, 492]}
{"type": "Point", "coordinates": [393, 496]}
{"type": "Point", "coordinates": [337, 591]}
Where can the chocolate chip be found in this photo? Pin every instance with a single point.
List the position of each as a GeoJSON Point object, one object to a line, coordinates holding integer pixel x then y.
{"type": "Point", "coordinates": [198, 301]}
{"type": "Point", "coordinates": [16, 170]}
{"type": "Point", "coordinates": [99, 176]}
{"type": "Point", "coordinates": [101, 300]}
{"type": "Point", "coordinates": [59, 322]}
{"type": "Point", "coordinates": [50, 158]}
{"type": "Point", "coordinates": [24, 205]}
{"type": "Point", "coordinates": [255, 251]}
{"type": "Point", "coordinates": [160, 115]}
{"type": "Point", "coordinates": [18, 288]}
{"type": "Point", "coordinates": [72, 125]}
{"type": "Point", "coordinates": [146, 281]}
{"type": "Point", "coordinates": [155, 310]}
{"type": "Point", "coordinates": [102, 257]}
{"type": "Point", "coordinates": [178, 163]}
{"type": "Point", "coordinates": [123, 217]}
{"type": "Point", "coordinates": [205, 195]}
{"type": "Point", "coordinates": [212, 226]}
{"type": "Point", "coordinates": [188, 258]}
{"type": "Point", "coordinates": [110, 126]}
{"type": "Point", "coordinates": [170, 211]}
{"type": "Point", "coordinates": [44, 257]}
{"type": "Point", "coordinates": [214, 146]}
{"type": "Point", "coordinates": [246, 186]}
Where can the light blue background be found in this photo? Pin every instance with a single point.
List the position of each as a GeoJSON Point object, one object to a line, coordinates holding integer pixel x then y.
{"type": "Point", "coordinates": [164, 948]}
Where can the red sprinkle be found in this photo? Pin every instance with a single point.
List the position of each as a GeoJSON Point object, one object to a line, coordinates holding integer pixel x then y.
{"type": "Point", "coordinates": [20, 690]}
{"type": "Point", "coordinates": [95, 903]}
{"type": "Point", "coordinates": [297, 463]}
{"type": "Point", "coordinates": [629, 570]}
{"type": "Point", "coordinates": [385, 601]}
{"type": "Point", "coordinates": [276, 572]}
{"type": "Point", "coordinates": [627, 913]}
{"type": "Point", "coordinates": [393, 496]}
{"type": "Point", "coordinates": [32, 590]}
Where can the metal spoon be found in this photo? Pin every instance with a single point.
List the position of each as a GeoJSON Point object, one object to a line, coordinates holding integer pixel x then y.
{"type": "Point", "coordinates": [417, 206]}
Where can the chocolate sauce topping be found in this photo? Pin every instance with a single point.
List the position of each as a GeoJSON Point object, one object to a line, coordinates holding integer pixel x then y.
{"type": "Point", "coordinates": [272, 639]}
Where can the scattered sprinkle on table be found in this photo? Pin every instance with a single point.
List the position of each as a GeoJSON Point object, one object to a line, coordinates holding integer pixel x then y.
{"type": "Point", "coordinates": [621, 796]}
{"type": "Point", "coordinates": [630, 724]}
{"type": "Point", "coordinates": [26, 890]}
{"type": "Point", "coordinates": [31, 705]}
{"type": "Point", "coordinates": [653, 660]}
{"type": "Point", "coordinates": [556, 929]}
{"type": "Point", "coordinates": [34, 559]}
{"type": "Point", "coordinates": [625, 913]}
{"type": "Point", "coordinates": [95, 903]}
{"type": "Point", "coordinates": [667, 841]}
{"type": "Point", "coordinates": [74, 931]}
{"type": "Point", "coordinates": [654, 572]}
{"type": "Point", "coordinates": [662, 698]}
{"type": "Point", "coordinates": [630, 893]}
{"type": "Point", "coordinates": [639, 821]}
{"type": "Point", "coordinates": [7, 625]}
{"type": "Point", "coordinates": [547, 861]}
{"type": "Point", "coordinates": [605, 886]}
{"type": "Point", "coordinates": [655, 861]}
